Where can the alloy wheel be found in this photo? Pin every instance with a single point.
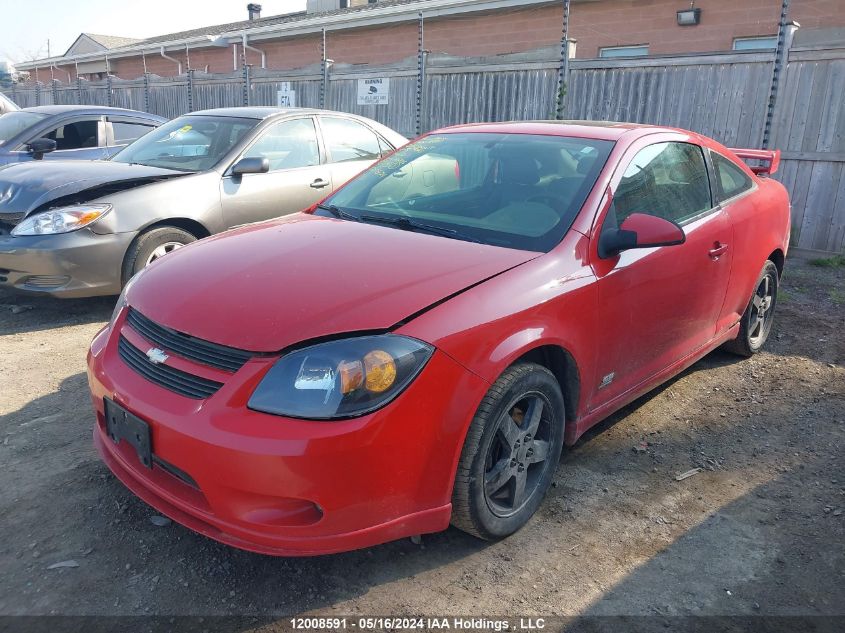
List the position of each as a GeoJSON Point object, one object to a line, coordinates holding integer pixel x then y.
{"type": "Point", "coordinates": [162, 250]}
{"type": "Point", "coordinates": [761, 313]}
{"type": "Point", "coordinates": [518, 455]}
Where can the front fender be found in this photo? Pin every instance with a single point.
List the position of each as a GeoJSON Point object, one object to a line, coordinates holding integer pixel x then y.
{"type": "Point", "coordinates": [551, 300]}
{"type": "Point", "coordinates": [195, 197]}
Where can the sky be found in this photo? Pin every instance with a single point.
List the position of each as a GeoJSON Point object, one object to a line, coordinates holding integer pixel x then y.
{"type": "Point", "coordinates": [25, 26]}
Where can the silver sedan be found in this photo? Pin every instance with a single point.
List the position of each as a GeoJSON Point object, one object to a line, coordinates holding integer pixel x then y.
{"type": "Point", "coordinates": [83, 228]}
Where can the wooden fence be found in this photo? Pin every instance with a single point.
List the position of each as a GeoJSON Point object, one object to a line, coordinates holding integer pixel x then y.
{"type": "Point", "coordinates": [722, 95]}
{"type": "Point", "coordinates": [809, 128]}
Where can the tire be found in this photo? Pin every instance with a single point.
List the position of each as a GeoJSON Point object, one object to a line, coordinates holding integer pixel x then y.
{"type": "Point", "coordinates": [754, 328]}
{"type": "Point", "coordinates": [496, 453]}
{"type": "Point", "coordinates": [143, 249]}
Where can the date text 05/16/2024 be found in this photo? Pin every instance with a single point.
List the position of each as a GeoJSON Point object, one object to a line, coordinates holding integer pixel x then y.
{"type": "Point", "coordinates": [415, 623]}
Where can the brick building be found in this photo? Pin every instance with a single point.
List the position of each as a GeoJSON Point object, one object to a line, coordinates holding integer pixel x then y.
{"type": "Point", "coordinates": [380, 31]}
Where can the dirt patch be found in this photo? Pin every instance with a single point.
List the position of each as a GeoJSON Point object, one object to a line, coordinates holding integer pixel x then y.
{"type": "Point", "coordinates": [758, 530]}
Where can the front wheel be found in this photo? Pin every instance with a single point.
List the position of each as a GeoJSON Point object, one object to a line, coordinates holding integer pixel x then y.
{"type": "Point", "coordinates": [756, 321]}
{"type": "Point", "coordinates": [151, 245]}
{"type": "Point", "coordinates": [510, 453]}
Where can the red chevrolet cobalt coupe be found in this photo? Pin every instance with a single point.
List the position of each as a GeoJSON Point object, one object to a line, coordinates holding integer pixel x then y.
{"type": "Point", "coordinates": [417, 349]}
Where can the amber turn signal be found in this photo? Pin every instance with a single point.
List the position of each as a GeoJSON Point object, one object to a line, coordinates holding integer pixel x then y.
{"type": "Point", "coordinates": [380, 369]}
{"type": "Point", "coordinates": [351, 375]}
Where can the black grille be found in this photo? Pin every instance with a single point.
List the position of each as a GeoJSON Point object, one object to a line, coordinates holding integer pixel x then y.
{"type": "Point", "coordinates": [173, 379]}
{"type": "Point", "coordinates": [195, 349]}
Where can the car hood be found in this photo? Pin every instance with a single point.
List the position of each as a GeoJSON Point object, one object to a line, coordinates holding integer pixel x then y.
{"type": "Point", "coordinates": [269, 286]}
{"type": "Point", "coordinates": [25, 187]}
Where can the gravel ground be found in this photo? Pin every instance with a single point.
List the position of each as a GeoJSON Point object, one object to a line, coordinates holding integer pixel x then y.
{"type": "Point", "coordinates": [759, 530]}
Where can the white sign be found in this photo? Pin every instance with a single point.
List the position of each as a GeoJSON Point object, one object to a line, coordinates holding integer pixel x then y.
{"type": "Point", "coordinates": [286, 96]}
{"type": "Point", "coordinates": [374, 91]}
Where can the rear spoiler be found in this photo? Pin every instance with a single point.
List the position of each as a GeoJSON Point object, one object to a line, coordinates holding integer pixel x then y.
{"type": "Point", "coordinates": [769, 160]}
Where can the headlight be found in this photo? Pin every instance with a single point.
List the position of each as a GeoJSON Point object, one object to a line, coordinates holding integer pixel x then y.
{"type": "Point", "coordinates": [62, 220]}
{"type": "Point", "coordinates": [121, 303]}
{"type": "Point", "coordinates": [340, 379]}
{"type": "Point", "coordinates": [121, 300]}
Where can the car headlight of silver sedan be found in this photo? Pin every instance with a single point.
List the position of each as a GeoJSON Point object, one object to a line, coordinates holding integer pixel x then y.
{"type": "Point", "coordinates": [341, 379]}
{"type": "Point", "coordinates": [63, 220]}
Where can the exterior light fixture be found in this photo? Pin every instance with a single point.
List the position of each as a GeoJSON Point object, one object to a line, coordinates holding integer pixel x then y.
{"type": "Point", "coordinates": [689, 17]}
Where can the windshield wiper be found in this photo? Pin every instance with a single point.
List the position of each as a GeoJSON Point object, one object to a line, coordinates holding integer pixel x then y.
{"type": "Point", "coordinates": [337, 212]}
{"type": "Point", "coordinates": [406, 224]}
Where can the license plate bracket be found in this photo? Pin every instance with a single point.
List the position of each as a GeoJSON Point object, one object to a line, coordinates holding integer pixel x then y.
{"type": "Point", "coordinates": [122, 425]}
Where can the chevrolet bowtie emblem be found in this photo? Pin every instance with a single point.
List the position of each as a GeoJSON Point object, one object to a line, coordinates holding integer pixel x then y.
{"type": "Point", "coordinates": [157, 356]}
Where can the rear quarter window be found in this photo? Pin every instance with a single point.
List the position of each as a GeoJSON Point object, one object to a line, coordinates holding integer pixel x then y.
{"type": "Point", "coordinates": [731, 179]}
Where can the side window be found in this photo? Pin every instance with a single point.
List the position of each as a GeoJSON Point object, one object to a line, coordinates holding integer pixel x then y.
{"type": "Point", "coordinates": [76, 135]}
{"type": "Point", "coordinates": [288, 145]}
{"type": "Point", "coordinates": [349, 140]}
{"type": "Point", "coordinates": [125, 132]}
{"type": "Point", "coordinates": [667, 180]}
{"type": "Point", "coordinates": [732, 180]}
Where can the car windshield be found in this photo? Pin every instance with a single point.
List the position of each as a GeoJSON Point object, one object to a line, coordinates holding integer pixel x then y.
{"type": "Point", "coordinates": [514, 190]}
{"type": "Point", "coordinates": [189, 143]}
{"type": "Point", "coordinates": [13, 123]}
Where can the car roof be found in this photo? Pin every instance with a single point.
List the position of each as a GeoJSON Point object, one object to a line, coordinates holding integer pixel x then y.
{"type": "Point", "coordinates": [604, 130]}
{"type": "Point", "coordinates": [87, 109]}
{"type": "Point", "coordinates": [265, 112]}
{"type": "Point", "coordinates": [254, 112]}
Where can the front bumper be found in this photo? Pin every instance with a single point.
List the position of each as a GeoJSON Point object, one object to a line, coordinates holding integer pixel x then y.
{"type": "Point", "coordinates": [283, 486]}
{"type": "Point", "coordinates": [77, 264]}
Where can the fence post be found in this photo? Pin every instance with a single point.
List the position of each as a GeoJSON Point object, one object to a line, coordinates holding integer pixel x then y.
{"type": "Point", "coordinates": [54, 88]}
{"type": "Point", "coordinates": [421, 59]}
{"type": "Point", "coordinates": [109, 96]}
{"type": "Point", "coordinates": [15, 91]}
{"type": "Point", "coordinates": [78, 89]}
{"type": "Point", "coordinates": [563, 77]}
{"type": "Point", "coordinates": [37, 92]}
{"type": "Point", "coordinates": [190, 90]}
{"type": "Point", "coordinates": [324, 63]}
{"type": "Point", "coordinates": [784, 31]}
{"type": "Point", "coordinates": [247, 86]}
{"type": "Point", "coordinates": [146, 90]}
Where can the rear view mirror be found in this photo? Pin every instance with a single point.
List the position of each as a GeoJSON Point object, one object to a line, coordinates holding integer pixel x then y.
{"type": "Point", "coordinates": [41, 146]}
{"type": "Point", "coordinates": [640, 230]}
{"type": "Point", "coordinates": [251, 166]}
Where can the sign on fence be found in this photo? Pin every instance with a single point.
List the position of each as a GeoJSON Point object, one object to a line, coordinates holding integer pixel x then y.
{"type": "Point", "coordinates": [374, 91]}
{"type": "Point", "coordinates": [285, 96]}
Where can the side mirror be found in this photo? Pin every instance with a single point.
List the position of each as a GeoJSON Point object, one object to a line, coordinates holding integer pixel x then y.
{"type": "Point", "coordinates": [251, 166]}
{"type": "Point", "coordinates": [639, 230]}
{"type": "Point", "coordinates": [41, 146]}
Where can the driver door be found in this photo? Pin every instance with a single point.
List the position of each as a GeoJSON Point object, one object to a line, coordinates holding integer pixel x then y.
{"type": "Point", "coordinates": [297, 178]}
{"type": "Point", "coordinates": [658, 305]}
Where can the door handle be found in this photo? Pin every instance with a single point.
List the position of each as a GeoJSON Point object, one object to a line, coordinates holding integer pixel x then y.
{"type": "Point", "coordinates": [718, 250]}
{"type": "Point", "coordinates": [319, 183]}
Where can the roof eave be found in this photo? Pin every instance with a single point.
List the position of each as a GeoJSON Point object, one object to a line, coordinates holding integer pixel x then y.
{"type": "Point", "coordinates": [374, 16]}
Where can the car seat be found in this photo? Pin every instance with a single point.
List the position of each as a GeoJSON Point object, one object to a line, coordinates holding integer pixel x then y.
{"type": "Point", "coordinates": [516, 181]}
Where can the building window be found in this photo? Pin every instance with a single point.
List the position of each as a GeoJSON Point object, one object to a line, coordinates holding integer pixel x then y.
{"type": "Point", "coordinates": [765, 43]}
{"type": "Point", "coordinates": [624, 51]}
